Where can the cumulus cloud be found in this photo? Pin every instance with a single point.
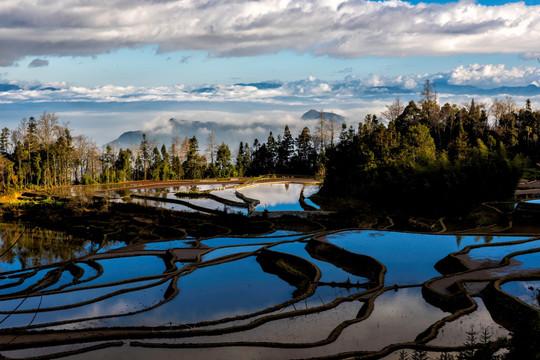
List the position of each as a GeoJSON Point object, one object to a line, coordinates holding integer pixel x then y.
{"type": "Point", "coordinates": [158, 125]}
{"type": "Point", "coordinates": [403, 81]}
{"type": "Point", "coordinates": [489, 75]}
{"type": "Point", "coordinates": [246, 28]}
{"type": "Point", "coordinates": [38, 63]}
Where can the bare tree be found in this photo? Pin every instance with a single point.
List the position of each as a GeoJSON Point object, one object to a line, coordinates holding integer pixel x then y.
{"type": "Point", "coordinates": [176, 145]}
{"type": "Point", "coordinates": [184, 149]}
{"type": "Point", "coordinates": [211, 146]}
{"type": "Point", "coordinates": [321, 131]}
{"type": "Point", "coordinates": [501, 108]}
{"type": "Point", "coordinates": [333, 127]}
{"type": "Point", "coordinates": [46, 130]}
{"type": "Point", "coordinates": [393, 111]}
{"type": "Point", "coordinates": [429, 93]}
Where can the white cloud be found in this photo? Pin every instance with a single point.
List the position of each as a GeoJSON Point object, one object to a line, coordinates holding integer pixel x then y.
{"type": "Point", "coordinates": [241, 28]}
{"type": "Point", "coordinates": [158, 125]}
{"type": "Point", "coordinates": [489, 75]}
{"type": "Point", "coordinates": [403, 81]}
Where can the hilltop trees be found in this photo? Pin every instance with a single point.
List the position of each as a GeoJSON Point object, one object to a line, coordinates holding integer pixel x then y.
{"type": "Point", "coordinates": [422, 154]}
{"type": "Point", "coordinates": [434, 159]}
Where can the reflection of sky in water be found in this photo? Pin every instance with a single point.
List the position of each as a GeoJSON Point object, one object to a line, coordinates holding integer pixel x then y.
{"type": "Point", "coordinates": [241, 287]}
{"type": "Point", "coordinates": [215, 205]}
{"type": "Point", "coordinates": [205, 203]}
{"type": "Point", "coordinates": [309, 202]}
{"type": "Point", "coordinates": [88, 271]}
{"type": "Point", "coordinates": [30, 353]}
{"type": "Point", "coordinates": [397, 317]}
{"type": "Point", "coordinates": [528, 261]}
{"type": "Point", "coordinates": [165, 245]}
{"type": "Point", "coordinates": [223, 241]}
{"type": "Point", "coordinates": [329, 272]}
{"type": "Point", "coordinates": [526, 291]}
{"type": "Point", "coordinates": [273, 197]}
{"type": "Point", "coordinates": [308, 191]}
{"type": "Point", "coordinates": [229, 194]}
{"type": "Point", "coordinates": [276, 197]}
{"type": "Point", "coordinates": [71, 297]}
{"type": "Point", "coordinates": [228, 289]}
{"type": "Point", "coordinates": [131, 300]}
{"type": "Point", "coordinates": [159, 204]}
{"type": "Point", "coordinates": [408, 257]}
{"type": "Point", "coordinates": [229, 251]}
{"type": "Point", "coordinates": [498, 252]}
{"type": "Point", "coordinates": [26, 283]}
{"type": "Point", "coordinates": [128, 268]}
{"type": "Point", "coordinates": [305, 328]}
{"type": "Point", "coordinates": [455, 333]}
{"type": "Point", "coordinates": [111, 245]}
{"type": "Point", "coordinates": [120, 304]}
{"type": "Point", "coordinates": [169, 189]}
{"type": "Point", "coordinates": [65, 279]}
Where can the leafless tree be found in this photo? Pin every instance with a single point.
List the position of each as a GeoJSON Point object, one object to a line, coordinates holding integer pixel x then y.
{"type": "Point", "coordinates": [429, 93]}
{"type": "Point", "coordinates": [393, 111]}
{"type": "Point", "coordinates": [321, 131]}
{"type": "Point", "coordinates": [46, 130]}
{"type": "Point", "coordinates": [501, 108]}
{"type": "Point", "coordinates": [211, 146]}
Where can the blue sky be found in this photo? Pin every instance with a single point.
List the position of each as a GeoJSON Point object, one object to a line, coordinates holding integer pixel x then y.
{"type": "Point", "coordinates": [324, 53]}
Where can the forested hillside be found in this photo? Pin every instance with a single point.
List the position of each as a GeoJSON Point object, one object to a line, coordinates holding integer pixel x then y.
{"type": "Point", "coordinates": [413, 155]}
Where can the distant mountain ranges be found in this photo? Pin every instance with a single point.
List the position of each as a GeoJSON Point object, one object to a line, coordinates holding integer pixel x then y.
{"type": "Point", "coordinates": [309, 92]}
{"type": "Point", "coordinates": [314, 114]}
{"type": "Point", "coordinates": [222, 132]}
{"type": "Point", "coordinates": [353, 86]}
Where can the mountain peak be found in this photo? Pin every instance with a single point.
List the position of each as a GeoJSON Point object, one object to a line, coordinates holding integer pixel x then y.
{"type": "Point", "coordinates": [314, 114]}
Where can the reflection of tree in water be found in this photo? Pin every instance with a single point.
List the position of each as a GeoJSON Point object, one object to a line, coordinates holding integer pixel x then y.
{"type": "Point", "coordinates": [33, 246]}
{"type": "Point", "coordinates": [487, 239]}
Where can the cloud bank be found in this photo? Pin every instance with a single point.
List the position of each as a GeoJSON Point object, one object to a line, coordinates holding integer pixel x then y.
{"type": "Point", "coordinates": [346, 29]}
{"type": "Point", "coordinates": [474, 79]}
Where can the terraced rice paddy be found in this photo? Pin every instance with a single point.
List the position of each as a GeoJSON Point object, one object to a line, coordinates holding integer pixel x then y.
{"type": "Point", "coordinates": [281, 295]}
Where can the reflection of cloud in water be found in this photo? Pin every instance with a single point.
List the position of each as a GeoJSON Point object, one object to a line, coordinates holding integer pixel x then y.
{"type": "Point", "coordinates": [498, 252]}
{"type": "Point", "coordinates": [276, 196]}
{"type": "Point", "coordinates": [298, 329]}
{"type": "Point", "coordinates": [455, 332]}
{"type": "Point", "coordinates": [526, 291]}
{"type": "Point", "coordinates": [397, 317]}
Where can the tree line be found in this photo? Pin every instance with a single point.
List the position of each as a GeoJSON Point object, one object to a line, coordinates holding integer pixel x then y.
{"type": "Point", "coordinates": [408, 150]}
{"type": "Point", "coordinates": [435, 159]}
{"type": "Point", "coordinates": [42, 153]}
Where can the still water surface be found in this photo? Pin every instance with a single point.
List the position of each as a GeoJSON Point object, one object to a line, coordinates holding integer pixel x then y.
{"type": "Point", "coordinates": [141, 291]}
